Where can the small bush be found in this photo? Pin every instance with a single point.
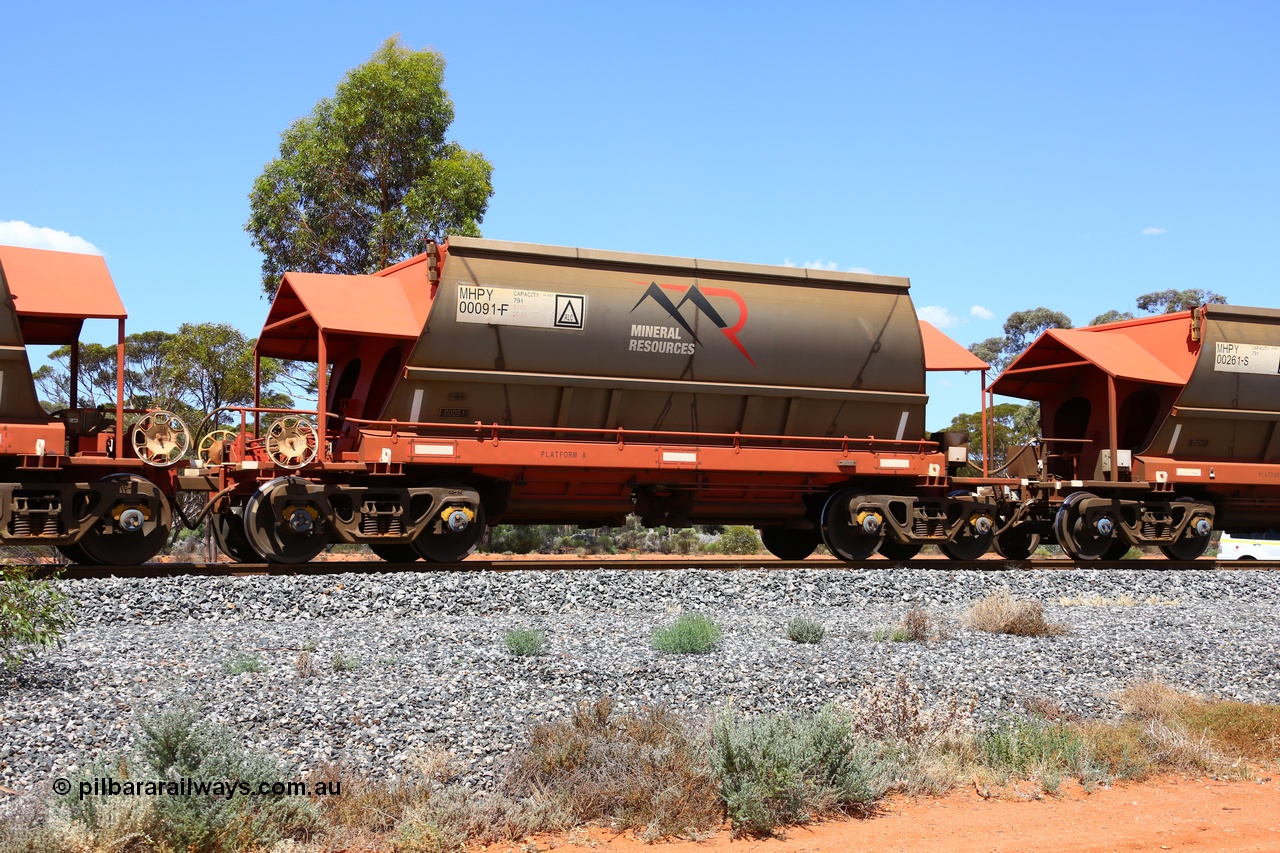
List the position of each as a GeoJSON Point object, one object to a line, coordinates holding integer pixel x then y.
{"type": "Point", "coordinates": [1001, 613]}
{"type": "Point", "coordinates": [780, 770]}
{"type": "Point", "coordinates": [524, 642]}
{"type": "Point", "coordinates": [692, 633]}
{"type": "Point", "coordinates": [343, 662]}
{"type": "Point", "coordinates": [895, 711]}
{"type": "Point", "coordinates": [917, 626]}
{"type": "Point", "coordinates": [33, 613]}
{"type": "Point", "coordinates": [242, 662]}
{"type": "Point", "coordinates": [740, 539]}
{"type": "Point", "coordinates": [916, 622]}
{"type": "Point", "coordinates": [802, 630]}
{"type": "Point", "coordinates": [305, 664]}
{"type": "Point", "coordinates": [177, 746]}
{"type": "Point", "coordinates": [896, 634]}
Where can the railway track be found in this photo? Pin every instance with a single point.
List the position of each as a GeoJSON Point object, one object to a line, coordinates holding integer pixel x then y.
{"type": "Point", "coordinates": [580, 564]}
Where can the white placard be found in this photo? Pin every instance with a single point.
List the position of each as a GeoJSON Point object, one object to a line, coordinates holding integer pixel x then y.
{"type": "Point", "coordinates": [535, 309]}
{"type": "Point", "coordinates": [1246, 358]}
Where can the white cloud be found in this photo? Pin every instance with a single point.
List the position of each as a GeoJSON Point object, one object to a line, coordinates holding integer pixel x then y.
{"type": "Point", "coordinates": [1153, 232]}
{"type": "Point", "coordinates": [18, 233]}
{"type": "Point", "coordinates": [938, 316]}
{"type": "Point", "coordinates": [981, 313]}
{"type": "Point", "coordinates": [829, 266]}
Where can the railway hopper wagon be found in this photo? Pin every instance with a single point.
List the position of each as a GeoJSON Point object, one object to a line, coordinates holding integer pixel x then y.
{"type": "Point", "coordinates": [487, 381]}
{"type": "Point", "coordinates": [77, 478]}
{"type": "Point", "coordinates": [1155, 432]}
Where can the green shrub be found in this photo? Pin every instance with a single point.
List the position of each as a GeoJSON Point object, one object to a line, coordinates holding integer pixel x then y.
{"type": "Point", "coordinates": [526, 538]}
{"type": "Point", "coordinates": [780, 770]}
{"type": "Point", "coordinates": [1027, 745]}
{"type": "Point", "coordinates": [524, 642]}
{"type": "Point", "coordinates": [684, 541]}
{"type": "Point", "coordinates": [343, 662]}
{"type": "Point", "coordinates": [242, 662]}
{"type": "Point", "coordinates": [802, 630]}
{"type": "Point", "coordinates": [33, 613]}
{"type": "Point", "coordinates": [740, 539]}
{"type": "Point", "coordinates": [178, 746]}
{"type": "Point", "coordinates": [692, 633]}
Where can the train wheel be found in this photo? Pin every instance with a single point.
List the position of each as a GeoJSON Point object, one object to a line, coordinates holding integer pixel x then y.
{"type": "Point", "coordinates": [968, 544]}
{"type": "Point", "coordinates": [1192, 546]}
{"type": "Point", "coordinates": [75, 554]}
{"type": "Point", "coordinates": [1017, 544]}
{"type": "Point", "coordinates": [1080, 540]}
{"type": "Point", "coordinates": [899, 550]}
{"type": "Point", "coordinates": [849, 538]}
{"type": "Point", "coordinates": [128, 536]}
{"type": "Point", "coordinates": [1118, 549]}
{"type": "Point", "coordinates": [451, 546]}
{"type": "Point", "coordinates": [228, 532]}
{"type": "Point", "coordinates": [787, 543]}
{"type": "Point", "coordinates": [396, 553]}
{"type": "Point", "coordinates": [1187, 548]}
{"type": "Point", "coordinates": [971, 541]}
{"type": "Point", "coordinates": [299, 537]}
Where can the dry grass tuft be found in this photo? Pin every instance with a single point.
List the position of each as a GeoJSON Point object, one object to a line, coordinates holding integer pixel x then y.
{"type": "Point", "coordinates": [1151, 700]}
{"type": "Point", "coordinates": [1202, 734]}
{"type": "Point", "coordinates": [366, 804]}
{"type": "Point", "coordinates": [1240, 729]}
{"type": "Point", "coordinates": [1001, 613]}
{"type": "Point", "coordinates": [637, 770]}
{"type": "Point", "coordinates": [1122, 600]}
{"type": "Point", "coordinates": [1043, 706]}
{"type": "Point", "coordinates": [917, 626]}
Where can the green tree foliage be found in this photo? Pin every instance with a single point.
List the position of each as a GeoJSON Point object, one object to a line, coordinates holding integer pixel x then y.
{"type": "Point", "coordinates": [32, 613]}
{"type": "Point", "coordinates": [364, 180]}
{"type": "Point", "coordinates": [1020, 330]}
{"type": "Point", "coordinates": [201, 367]}
{"type": "Point", "coordinates": [1112, 316]}
{"type": "Point", "coordinates": [1170, 301]}
{"type": "Point", "coordinates": [1008, 424]}
{"type": "Point", "coordinates": [216, 360]}
{"type": "Point", "coordinates": [97, 379]}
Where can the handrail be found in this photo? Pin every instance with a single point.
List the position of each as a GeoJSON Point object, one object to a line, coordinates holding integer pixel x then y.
{"type": "Point", "coordinates": [483, 431]}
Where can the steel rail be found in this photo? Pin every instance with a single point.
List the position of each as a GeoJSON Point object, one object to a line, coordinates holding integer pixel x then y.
{"type": "Point", "coordinates": [583, 564]}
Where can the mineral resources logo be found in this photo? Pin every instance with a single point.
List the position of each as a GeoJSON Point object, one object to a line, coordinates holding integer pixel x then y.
{"type": "Point", "coordinates": [680, 339]}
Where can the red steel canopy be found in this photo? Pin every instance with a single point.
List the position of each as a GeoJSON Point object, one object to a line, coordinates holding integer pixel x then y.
{"type": "Point", "coordinates": [337, 305]}
{"type": "Point", "coordinates": [54, 292]}
{"type": "Point", "coordinates": [942, 353]}
{"type": "Point", "coordinates": [1153, 350]}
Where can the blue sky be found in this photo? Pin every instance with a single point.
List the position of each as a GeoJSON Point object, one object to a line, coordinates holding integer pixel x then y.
{"type": "Point", "coordinates": [1000, 155]}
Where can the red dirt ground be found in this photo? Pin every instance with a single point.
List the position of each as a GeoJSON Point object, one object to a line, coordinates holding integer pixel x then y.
{"type": "Point", "coordinates": [1168, 814]}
